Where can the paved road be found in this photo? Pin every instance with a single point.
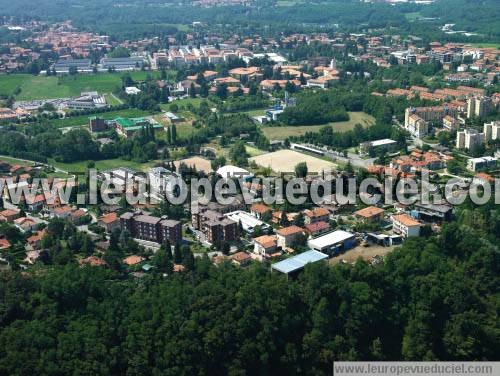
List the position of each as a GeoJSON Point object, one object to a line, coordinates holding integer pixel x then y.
{"type": "Point", "coordinates": [353, 158]}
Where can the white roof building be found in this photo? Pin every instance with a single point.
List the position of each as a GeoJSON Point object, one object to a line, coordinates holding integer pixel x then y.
{"type": "Point", "coordinates": [248, 221]}
{"type": "Point", "coordinates": [230, 171]}
{"type": "Point", "coordinates": [132, 90]}
{"type": "Point", "coordinates": [333, 242]}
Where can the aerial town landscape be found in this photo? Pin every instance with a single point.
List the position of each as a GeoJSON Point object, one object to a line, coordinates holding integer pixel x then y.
{"type": "Point", "coordinates": [157, 102]}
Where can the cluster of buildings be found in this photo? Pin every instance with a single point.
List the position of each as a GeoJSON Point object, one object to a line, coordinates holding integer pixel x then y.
{"type": "Point", "coordinates": [448, 115]}
{"type": "Point", "coordinates": [471, 139]}
{"type": "Point", "coordinates": [238, 80]}
{"type": "Point", "coordinates": [469, 63]}
{"type": "Point", "coordinates": [86, 101]}
{"type": "Point", "coordinates": [70, 64]}
{"type": "Point", "coordinates": [149, 228]}
{"type": "Point", "coordinates": [60, 39]}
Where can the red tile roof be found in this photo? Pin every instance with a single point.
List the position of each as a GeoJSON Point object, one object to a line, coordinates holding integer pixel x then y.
{"type": "Point", "coordinates": [368, 212]}
{"type": "Point", "coordinates": [289, 230]}
{"type": "Point", "coordinates": [317, 226]}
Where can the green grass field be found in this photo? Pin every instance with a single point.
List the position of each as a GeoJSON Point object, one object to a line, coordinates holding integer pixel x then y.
{"type": "Point", "coordinates": [281, 133]}
{"type": "Point", "coordinates": [81, 167]}
{"type": "Point", "coordinates": [43, 87]}
{"type": "Point", "coordinates": [184, 102]}
{"type": "Point", "coordinates": [259, 112]}
{"type": "Point", "coordinates": [14, 161]}
{"type": "Point", "coordinates": [113, 100]}
{"type": "Point", "coordinates": [253, 152]}
{"type": "Point", "coordinates": [486, 45]}
{"type": "Point", "coordinates": [412, 16]}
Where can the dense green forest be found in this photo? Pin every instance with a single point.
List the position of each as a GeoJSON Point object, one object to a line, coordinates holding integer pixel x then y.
{"type": "Point", "coordinates": [161, 17]}
{"type": "Point", "coordinates": [434, 298]}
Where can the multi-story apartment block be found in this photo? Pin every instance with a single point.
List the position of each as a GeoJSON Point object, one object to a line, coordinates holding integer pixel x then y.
{"type": "Point", "coordinates": [431, 113]}
{"type": "Point", "coordinates": [469, 139]}
{"type": "Point", "coordinates": [481, 163]}
{"type": "Point", "coordinates": [213, 224]}
{"type": "Point", "coordinates": [416, 126]}
{"type": "Point", "coordinates": [492, 131]}
{"type": "Point", "coordinates": [150, 228]}
{"type": "Point", "coordinates": [450, 123]}
{"type": "Point", "coordinates": [478, 106]}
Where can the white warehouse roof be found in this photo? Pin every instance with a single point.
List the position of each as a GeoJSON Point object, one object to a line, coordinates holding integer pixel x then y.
{"type": "Point", "coordinates": [329, 239]}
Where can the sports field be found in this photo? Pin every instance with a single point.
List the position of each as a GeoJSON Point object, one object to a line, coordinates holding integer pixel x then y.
{"type": "Point", "coordinates": [286, 160]}
{"type": "Point", "coordinates": [201, 164]}
{"type": "Point", "coordinates": [280, 133]}
{"type": "Point", "coordinates": [43, 87]}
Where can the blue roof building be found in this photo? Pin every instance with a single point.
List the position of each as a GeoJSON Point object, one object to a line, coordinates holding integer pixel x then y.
{"type": "Point", "coordinates": [296, 263]}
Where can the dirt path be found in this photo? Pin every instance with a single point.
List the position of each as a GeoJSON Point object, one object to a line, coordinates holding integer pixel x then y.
{"type": "Point", "coordinates": [366, 253]}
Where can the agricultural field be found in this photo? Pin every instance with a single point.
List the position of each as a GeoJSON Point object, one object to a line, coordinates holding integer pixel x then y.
{"type": "Point", "coordinates": [286, 160]}
{"type": "Point", "coordinates": [281, 133]}
{"type": "Point", "coordinates": [43, 87]}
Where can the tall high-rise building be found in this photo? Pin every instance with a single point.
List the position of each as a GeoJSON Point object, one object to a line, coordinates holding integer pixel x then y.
{"type": "Point", "coordinates": [469, 139]}
{"type": "Point", "coordinates": [478, 106]}
{"type": "Point", "coordinates": [492, 131]}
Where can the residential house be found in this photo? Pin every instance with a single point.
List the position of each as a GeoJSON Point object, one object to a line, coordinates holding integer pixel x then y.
{"type": "Point", "coordinates": [317, 228]}
{"type": "Point", "coordinates": [25, 224]}
{"type": "Point", "coordinates": [241, 259]}
{"type": "Point", "coordinates": [265, 246]}
{"type": "Point", "coordinates": [370, 214]}
{"type": "Point", "coordinates": [404, 225]}
{"type": "Point", "coordinates": [316, 215]}
{"type": "Point", "coordinates": [35, 240]}
{"type": "Point", "coordinates": [9, 215]}
{"type": "Point", "coordinates": [4, 243]}
{"type": "Point", "coordinates": [133, 260]}
{"type": "Point", "coordinates": [257, 210]}
{"type": "Point", "coordinates": [285, 237]}
{"type": "Point", "coordinates": [109, 221]}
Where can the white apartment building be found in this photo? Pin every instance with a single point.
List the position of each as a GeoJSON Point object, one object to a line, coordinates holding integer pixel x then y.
{"type": "Point", "coordinates": [469, 139]}
{"type": "Point", "coordinates": [405, 225]}
{"type": "Point", "coordinates": [161, 180]}
{"type": "Point", "coordinates": [492, 131]}
{"type": "Point", "coordinates": [476, 164]}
